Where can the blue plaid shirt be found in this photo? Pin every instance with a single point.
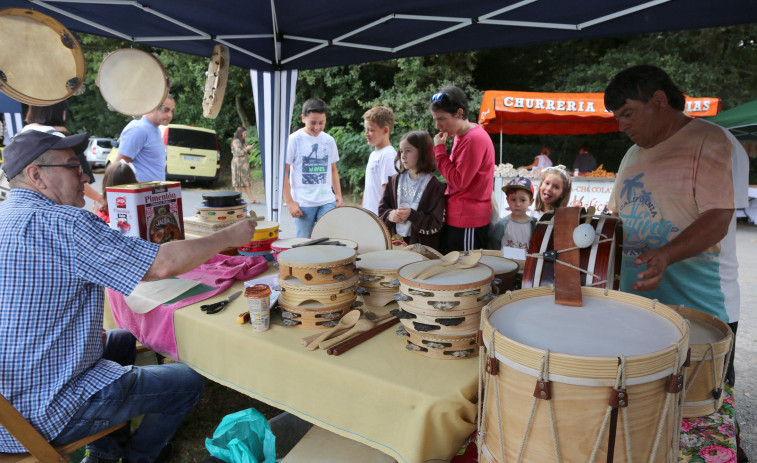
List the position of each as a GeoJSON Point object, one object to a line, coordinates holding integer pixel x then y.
{"type": "Point", "coordinates": [54, 262]}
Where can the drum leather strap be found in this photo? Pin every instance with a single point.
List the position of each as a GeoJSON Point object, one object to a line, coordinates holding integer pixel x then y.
{"type": "Point", "coordinates": [567, 277]}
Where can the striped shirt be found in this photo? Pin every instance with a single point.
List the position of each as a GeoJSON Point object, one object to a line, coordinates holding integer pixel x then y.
{"type": "Point", "coordinates": [54, 263]}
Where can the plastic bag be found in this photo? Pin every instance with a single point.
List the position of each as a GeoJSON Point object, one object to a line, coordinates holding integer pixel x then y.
{"type": "Point", "coordinates": [243, 437]}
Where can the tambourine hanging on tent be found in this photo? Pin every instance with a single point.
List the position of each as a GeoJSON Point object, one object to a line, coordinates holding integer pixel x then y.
{"type": "Point", "coordinates": [215, 84]}
{"type": "Point", "coordinates": [132, 82]}
{"type": "Point", "coordinates": [41, 62]}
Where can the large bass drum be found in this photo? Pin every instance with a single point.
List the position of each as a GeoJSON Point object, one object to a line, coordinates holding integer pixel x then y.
{"type": "Point", "coordinates": [581, 382]}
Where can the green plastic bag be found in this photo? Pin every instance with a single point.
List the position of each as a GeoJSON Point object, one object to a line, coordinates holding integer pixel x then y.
{"type": "Point", "coordinates": [243, 437]}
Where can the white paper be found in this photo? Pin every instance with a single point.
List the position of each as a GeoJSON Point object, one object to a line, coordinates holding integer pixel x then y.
{"type": "Point", "coordinates": [514, 253]}
{"type": "Point", "coordinates": [271, 281]}
{"type": "Point", "coordinates": [150, 294]}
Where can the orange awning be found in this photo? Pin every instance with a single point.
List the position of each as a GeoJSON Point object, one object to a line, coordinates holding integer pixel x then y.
{"type": "Point", "coordinates": [533, 113]}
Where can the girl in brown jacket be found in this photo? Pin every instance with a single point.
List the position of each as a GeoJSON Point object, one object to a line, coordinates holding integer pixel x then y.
{"type": "Point", "coordinates": [413, 203]}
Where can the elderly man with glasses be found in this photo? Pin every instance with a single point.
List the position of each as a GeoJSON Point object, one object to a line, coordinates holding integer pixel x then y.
{"type": "Point", "coordinates": [55, 260]}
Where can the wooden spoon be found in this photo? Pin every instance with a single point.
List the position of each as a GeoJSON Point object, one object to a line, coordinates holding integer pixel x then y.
{"type": "Point", "coordinates": [361, 326]}
{"type": "Point", "coordinates": [348, 321]}
{"type": "Point", "coordinates": [446, 260]}
{"type": "Point", "coordinates": [471, 260]}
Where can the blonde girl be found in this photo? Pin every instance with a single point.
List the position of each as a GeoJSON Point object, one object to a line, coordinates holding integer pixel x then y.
{"type": "Point", "coordinates": [554, 190]}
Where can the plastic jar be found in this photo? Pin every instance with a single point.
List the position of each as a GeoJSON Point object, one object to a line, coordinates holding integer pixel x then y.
{"type": "Point", "coordinates": [259, 303]}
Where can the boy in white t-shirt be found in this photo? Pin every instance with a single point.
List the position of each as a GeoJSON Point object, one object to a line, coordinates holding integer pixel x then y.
{"type": "Point", "coordinates": [311, 180]}
{"type": "Point", "coordinates": [378, 122]}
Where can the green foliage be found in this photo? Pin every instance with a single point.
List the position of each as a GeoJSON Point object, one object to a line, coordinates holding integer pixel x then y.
{"type": "Point", "coordinates": [254, 140]}
{"type": "Point", "coordinates": [717, 62]}
{"type": "Point", "coordinates": [89, 111]}
{"type": "Point", "coordinates": [353, 157]}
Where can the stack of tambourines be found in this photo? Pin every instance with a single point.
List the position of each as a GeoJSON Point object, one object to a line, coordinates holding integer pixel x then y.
{"type": "Point", "coordinates": [378, 274]}
{"type": "Point", "coordinates": [222, 206]}
{"type": "Point", "coordinates": [441, 314]}
{"type": "Point", "coordinates": [317, 285]}
{"type": "Point", "coordinates": [266, 233]}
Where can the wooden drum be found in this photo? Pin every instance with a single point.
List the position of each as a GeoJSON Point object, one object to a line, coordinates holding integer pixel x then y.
{"type": "Point", "coordinates": [711, 348]}
{"type": "Point", "coordinates": [570, 380]}
{"type": "Point", "coordinates": [356, 224]}
{"type": "Point", "coordinates": [295, 292]}
{"type": "Point", "coordinates": [41, 62]}
{"type": "Point", "coordinates": [504, 271]}
{"type": "Point", "coordinates": [378, 270]}
{"type": "Point", "coordinates": [266, 230]}
{"type": "Point", "coordinates": [443, 309]}
{"type": "Point", "coordinates": [317, 265]}
{"type": "Point", "coordinates": [440, 347]}
{"type": "Point", "coordinates": [132, 82]}
{"type": "Point", "coordinates": [600, 262]}
{"type": "Point", "coordinates": [312, 315]}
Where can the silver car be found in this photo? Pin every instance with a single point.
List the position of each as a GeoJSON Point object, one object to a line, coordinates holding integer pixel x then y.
{"type": "Point", "coordinates": [98, 149]}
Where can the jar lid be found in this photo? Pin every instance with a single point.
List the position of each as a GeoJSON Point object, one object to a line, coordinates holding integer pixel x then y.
{"type": "Point", "coordinates": [257, 291]}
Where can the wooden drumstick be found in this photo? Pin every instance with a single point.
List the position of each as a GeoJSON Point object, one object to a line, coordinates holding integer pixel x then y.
{"type": "Point", "coordinates": [344, 346]}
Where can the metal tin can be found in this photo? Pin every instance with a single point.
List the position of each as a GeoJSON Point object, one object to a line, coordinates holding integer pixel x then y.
{"type": "Point", "coordinates": [259, 303]}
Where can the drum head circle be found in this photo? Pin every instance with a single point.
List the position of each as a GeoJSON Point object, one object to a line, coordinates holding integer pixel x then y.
{"type": "Point", "coordinates": [41, 61]}
{"type": "Point", "coordinates": [316, 254]}
{"type": "Point", "coordinates": [603, 327]}
{"type": "Point", "coordinates": [354, 223]}
{"type": "Point", "coordinates": [387, 260]}
{"type": "Point", "coordinates": [132, 82]}
{"type": "Point", "coordinates": [500, 265]}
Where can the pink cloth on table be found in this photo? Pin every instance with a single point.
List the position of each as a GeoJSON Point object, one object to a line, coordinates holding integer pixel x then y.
{"type": "Point", "coordinates": [155, 328]}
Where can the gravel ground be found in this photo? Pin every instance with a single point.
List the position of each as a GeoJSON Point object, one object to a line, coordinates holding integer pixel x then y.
{"type": "Point", "coordinates": [746, 339]}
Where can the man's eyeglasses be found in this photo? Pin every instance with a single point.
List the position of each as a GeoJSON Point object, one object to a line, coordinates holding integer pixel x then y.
{"type": "Point", "coordinates": [438, 97]}
{"type": "Point", "coordinates": [77, 167]}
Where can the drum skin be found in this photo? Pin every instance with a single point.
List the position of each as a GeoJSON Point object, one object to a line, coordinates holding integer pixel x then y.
{"type": "Point", "coordinates": [606, 254]}
{"type": "Point", "coordinates": [132, 82]}
{"type": "Point", "coordinates": [42, 62]}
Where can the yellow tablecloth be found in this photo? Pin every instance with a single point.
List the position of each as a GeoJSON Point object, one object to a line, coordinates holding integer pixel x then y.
{"type": "Point", "coordinates": [410, 407]}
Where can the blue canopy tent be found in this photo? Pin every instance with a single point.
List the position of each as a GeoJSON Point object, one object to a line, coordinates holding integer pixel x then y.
{"type": "Point", "coordinates": [10, 116]}
{"type": "Point", "coordinates": [275, 38]}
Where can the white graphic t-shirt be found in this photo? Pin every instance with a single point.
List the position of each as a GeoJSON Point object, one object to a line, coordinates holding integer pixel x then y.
{"type": "Point", "coordinates": [380, 167]}
{"type": "Point", "coordinates": [310, 160]}
{"type": "Point", "coordinates": [658, 193]}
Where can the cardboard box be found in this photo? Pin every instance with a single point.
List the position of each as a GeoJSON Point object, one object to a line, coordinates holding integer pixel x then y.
{"type": "Point", "coordinates": [149, 210]}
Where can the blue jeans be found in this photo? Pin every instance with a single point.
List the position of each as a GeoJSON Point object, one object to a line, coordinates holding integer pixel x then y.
{"type": "Point", "coordinates": [304, 224]}
{"type": "Point", "coordinates": [164, 394]}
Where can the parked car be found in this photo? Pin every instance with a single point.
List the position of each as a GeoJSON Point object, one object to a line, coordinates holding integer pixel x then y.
{"type": "Point", "coordinates": [98, 149]}
{"type": "Point", "coordinates": [192, 153]}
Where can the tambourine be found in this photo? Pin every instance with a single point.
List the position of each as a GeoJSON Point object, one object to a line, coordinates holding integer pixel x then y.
{"type": "Point", "coordinates": [215, 84]}
{"type": "Point", "coordinates": [132, 82]}
{"type": "Point", "coordinates": [354, 223]}
{"type": "Point", "coordinates": [41, 62]}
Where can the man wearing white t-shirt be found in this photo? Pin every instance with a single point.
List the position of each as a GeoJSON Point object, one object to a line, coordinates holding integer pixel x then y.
{"type": "Point", "coordinates": [378, 122]}
{"type": "Point", "coordinates": [311, 181]}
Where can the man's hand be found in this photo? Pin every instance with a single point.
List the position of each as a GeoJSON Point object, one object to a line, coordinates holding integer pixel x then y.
{"type": "Point", "coordinates": [441, 138]}
{"type": "Point", "coordinates": [657, 261]}
{"type": "Point", "coordinates": [294, 209]}
{"type": "Point", "coordinates": [339, 201]}
{"type": "Point", "coordinates": [240, 234]}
